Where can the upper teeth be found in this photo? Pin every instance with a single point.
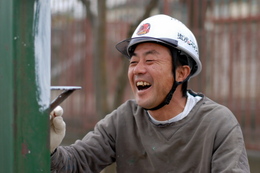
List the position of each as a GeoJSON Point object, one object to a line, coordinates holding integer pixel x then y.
{"type": "Point", "coordinates": [141, 83]}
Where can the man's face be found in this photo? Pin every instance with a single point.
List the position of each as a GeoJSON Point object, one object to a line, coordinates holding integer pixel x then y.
{"type": "Point", "coordinates": [150, 74]}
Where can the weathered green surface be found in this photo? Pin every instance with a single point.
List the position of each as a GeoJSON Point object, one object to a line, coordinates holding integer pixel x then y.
{"type": "Point", "coordinates": [24, 145]}
{"type": "Point", "coordinates": [6, 90]}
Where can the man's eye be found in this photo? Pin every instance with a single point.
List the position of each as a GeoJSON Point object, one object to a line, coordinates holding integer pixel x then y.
{"type": "Point", "coordinates": [133, 62]}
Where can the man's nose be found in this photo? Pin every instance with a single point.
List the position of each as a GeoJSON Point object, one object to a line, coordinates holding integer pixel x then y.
{"type": "Point", "coordinates": [140, 68]}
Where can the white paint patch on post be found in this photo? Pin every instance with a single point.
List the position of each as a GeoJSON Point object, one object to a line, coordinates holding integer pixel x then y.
{"type": "Point", "coordinates": [42, 46]}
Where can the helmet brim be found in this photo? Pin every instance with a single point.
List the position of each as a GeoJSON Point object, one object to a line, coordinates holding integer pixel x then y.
{"type": "Point", "coordinates": [125, 45]}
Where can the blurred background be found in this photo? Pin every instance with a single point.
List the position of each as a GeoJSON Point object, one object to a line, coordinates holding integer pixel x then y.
{"type": "Point", "coordinates": [83, 38]}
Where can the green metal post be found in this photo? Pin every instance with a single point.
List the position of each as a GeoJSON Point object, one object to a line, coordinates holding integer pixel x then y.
{"type": "Point", "coordinates": [24, 86]}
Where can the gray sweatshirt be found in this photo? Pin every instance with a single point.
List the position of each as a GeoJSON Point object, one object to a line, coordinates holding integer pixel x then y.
{"type": "Point", "coordinates": [208, 140]}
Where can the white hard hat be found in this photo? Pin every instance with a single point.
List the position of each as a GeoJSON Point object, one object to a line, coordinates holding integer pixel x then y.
{"type": "Point", "coordinates": [166, 30]}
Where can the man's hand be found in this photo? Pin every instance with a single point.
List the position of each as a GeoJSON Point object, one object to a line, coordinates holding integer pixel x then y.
{"type": "Point", "coordinates": [57, 128]}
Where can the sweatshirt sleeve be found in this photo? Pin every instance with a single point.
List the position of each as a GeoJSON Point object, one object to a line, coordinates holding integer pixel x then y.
{"type": "Point", "coordinates": [229, 155]}
{"type": "Point", "coordinates": [91, 154]}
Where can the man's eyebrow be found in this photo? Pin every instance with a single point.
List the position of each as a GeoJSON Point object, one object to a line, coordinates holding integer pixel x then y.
{"type": "Point", "coordinates": [151, 52]}
{"type": "Point", "coordinates": [146, 53]}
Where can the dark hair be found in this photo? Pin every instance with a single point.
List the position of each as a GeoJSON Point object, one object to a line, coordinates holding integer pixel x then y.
{"type": "Point", "coordinates": [181, 60]}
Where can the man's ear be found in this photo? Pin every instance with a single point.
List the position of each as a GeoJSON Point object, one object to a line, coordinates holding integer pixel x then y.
{"type": "Point", "coordinates": [182, 72]}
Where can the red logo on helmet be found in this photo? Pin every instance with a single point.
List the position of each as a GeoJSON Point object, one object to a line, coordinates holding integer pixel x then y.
{"type": "Point", "coordinates": [144, 29]}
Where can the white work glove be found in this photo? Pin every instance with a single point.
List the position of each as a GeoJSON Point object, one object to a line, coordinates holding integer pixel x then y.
{"type": "Point", "coordinates": [57, 128]}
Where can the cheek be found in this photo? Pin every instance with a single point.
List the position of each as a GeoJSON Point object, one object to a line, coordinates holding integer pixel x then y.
{"type": "Point", "coordinates": [130, 76]}
{"type": "Point", "coordinates": [166, 76]}
{"type": "Point", "coordinates": [164, 71]}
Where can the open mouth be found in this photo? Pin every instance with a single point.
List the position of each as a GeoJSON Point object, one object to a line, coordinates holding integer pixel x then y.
{"type": "Point", "coordinates": [141, 85]}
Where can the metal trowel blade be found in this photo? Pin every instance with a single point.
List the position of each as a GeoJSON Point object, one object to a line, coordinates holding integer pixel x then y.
{"type": "Point", "coordinates": [67, 90]}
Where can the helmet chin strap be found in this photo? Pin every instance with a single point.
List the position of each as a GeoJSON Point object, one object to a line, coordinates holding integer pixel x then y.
{"type": "Point", "coordinates": [168, 97]}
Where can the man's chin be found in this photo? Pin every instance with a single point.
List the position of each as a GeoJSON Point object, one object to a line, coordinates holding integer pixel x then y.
{"type": "Point", "coordinates": [143, 104]}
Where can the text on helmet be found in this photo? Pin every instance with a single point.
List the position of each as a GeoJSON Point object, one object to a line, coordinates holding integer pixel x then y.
{"type": "Point", "coordinates": [188, 41]}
